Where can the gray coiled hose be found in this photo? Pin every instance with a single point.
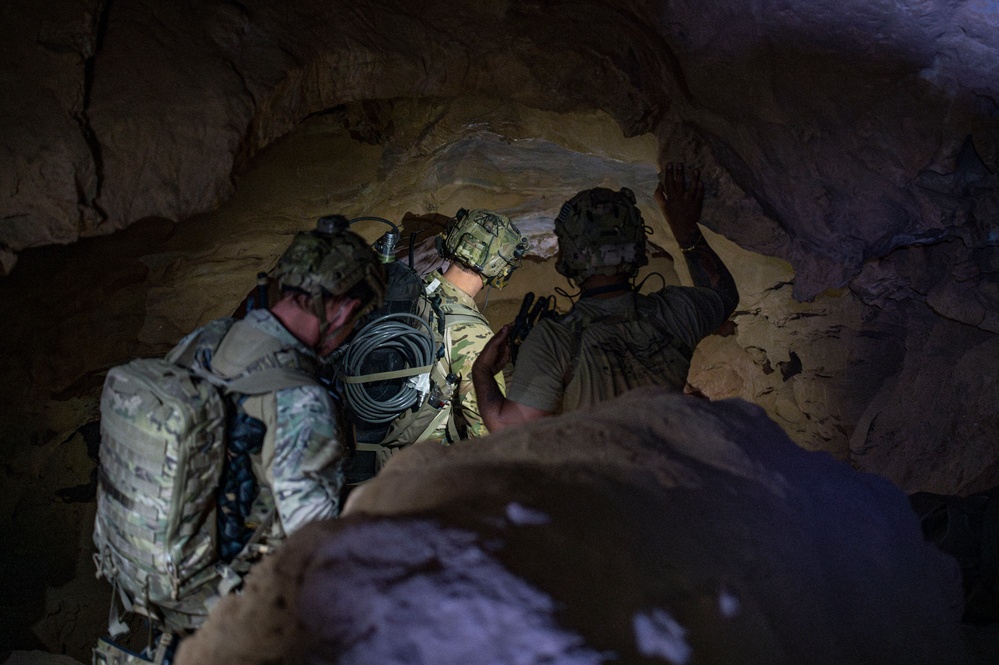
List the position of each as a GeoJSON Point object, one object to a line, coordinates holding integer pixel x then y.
{"type": "Point", "coordinates": [395, 332]}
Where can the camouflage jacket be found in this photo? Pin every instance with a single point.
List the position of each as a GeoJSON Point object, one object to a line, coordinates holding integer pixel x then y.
{"type": "Point", "coordinates": [467, 341]}
{"type": "Point", "coordinates": [299, 469]}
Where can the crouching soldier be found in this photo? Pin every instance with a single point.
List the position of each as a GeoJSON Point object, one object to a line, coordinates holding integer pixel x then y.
{"type": "Point", "coordinates": [211, 456]}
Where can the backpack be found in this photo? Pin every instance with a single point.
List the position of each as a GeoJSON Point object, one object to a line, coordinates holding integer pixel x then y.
{"type": "Point", "coordinates": [163, 446]}
{"type": "Point", "coordinates": [394, 375]}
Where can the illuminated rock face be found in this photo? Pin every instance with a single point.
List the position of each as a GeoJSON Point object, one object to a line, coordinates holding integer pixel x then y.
{"type": "Point", "coordinates": [859, 127]}
{"type": "Point", "coordinates": [656, 527]}
{"type": "Point", "coordinates": [857, 141]}
{"type": "Point", "coordinates": [849, 150]}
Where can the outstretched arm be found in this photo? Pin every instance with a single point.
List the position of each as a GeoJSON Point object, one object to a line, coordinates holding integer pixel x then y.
{"type": "Point", "coordinates": [496, 410]}
{"type": "Point", "coordinates": [681, 205]}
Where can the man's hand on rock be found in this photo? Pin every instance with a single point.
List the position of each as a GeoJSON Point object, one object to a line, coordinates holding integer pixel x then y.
{"type": "Point", "coordinates": [681, 203]}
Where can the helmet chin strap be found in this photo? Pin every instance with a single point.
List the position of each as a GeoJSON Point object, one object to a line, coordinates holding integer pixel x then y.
{"type": "Point", "coordinates": [319, 310]}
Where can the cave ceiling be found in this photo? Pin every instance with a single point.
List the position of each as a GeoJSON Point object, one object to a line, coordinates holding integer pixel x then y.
{"type": "Point", "coordinates": [850, 152]}
{"type": "Point", "coordinates": [858, 127]}
{"type": "Point", "coordinates": [154, 156]}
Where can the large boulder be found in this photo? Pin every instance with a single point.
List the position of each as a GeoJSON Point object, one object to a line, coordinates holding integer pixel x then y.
{"type": "Point", "coordinates": [656, 528]}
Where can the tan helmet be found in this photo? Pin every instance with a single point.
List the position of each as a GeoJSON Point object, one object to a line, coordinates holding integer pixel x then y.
{"type": "Point", "coordinates": [330, 261]}
{"type": "Point", "coordinates": [484, 241]}
{"type": "Point", "coordinates": [600, 232]}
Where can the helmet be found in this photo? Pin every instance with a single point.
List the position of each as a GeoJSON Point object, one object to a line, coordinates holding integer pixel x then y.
{"type": "Point", "coordinates": [600, 232]}
{"type": "Point", "coordinates": [485, 242]}
{"type": "Point", "coordinates": [331, 261]}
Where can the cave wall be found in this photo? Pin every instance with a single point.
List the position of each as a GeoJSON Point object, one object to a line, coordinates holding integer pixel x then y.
{"type": "Point", "coordinates": [859, 128]}
{"type": "Point", "coordinates": [849, 152]}
{"type": "Point", "coordinates": [856, 144]}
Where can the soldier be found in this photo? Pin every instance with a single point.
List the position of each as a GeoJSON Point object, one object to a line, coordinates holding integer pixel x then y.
{"type": "Point", "coordinates": [213, 454]}
{"type": "Point", "coordinates": [285, 447]}
{"type": "Point", "coordinates": [613, 339]}
{"type": "Point", "coordinates": [483, 247]}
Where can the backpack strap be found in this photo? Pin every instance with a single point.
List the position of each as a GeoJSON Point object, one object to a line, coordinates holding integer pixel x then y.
{"type": "Point", "coordinates": [456, 313]}
{"type": "Point", "coordinates": [204, 340]}
{"type": "Point", "coordinates": [270, 366]}
{"type": "Point", "coordinates": [385, 376]}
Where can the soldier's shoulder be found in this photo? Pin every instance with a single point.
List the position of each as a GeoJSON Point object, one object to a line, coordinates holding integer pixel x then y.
{"type": "Point", "coordinates": [313, 399]}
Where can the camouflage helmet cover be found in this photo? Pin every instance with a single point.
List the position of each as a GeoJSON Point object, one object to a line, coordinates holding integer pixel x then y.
{"type": "Point", "coordinates": [331, 261]}
{"type": "Point", "coordinates": [600, 232]}
{"type": "Point", "coordinates": [484, 241]}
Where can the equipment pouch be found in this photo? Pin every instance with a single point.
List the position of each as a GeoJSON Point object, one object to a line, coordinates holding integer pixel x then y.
{"type": "Point", "coordinates": [108, 653]}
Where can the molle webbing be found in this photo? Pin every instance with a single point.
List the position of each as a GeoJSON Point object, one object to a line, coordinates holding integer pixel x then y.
{"type": "Point", "coordinates": [164, 426]}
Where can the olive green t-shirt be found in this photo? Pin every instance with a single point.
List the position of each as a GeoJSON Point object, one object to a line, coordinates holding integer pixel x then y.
{"type": "Point", "coordinates": [605, 347]}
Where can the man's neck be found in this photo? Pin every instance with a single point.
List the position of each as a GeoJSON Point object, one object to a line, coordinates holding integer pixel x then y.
{"type": "Point", "coordinates": [468, 281]}
{"type": "Point", "coordinates": [605, 286]}
{"type": "Point", "coordinates": [301, 323]}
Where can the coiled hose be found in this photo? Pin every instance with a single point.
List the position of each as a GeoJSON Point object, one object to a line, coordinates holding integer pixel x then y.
{"type": "Point", "coordinates": [394, 332]}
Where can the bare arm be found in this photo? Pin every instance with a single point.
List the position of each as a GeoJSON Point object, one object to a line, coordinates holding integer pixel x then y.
{"type": "Point", "coordinates": [681, 206]}
{"type": "Point", "coordinates": [496, 410]}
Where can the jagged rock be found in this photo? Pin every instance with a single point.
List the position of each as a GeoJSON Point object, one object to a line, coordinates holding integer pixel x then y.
{"type": "Point", "coordinates": [48, 177]}
{"type": "Point", "coordinates": [656, 528]}
{"type": "Point", "coordinates": [950, 372]}
{"type": "Point", "coordinates": [852, 144]}
{"type": "Point", "coordinates": [179, 97]}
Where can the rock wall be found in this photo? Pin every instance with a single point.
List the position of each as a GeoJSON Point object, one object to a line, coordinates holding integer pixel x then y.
{"type": "Point", "coordinates": [850, 152]}
{"type": "Point", "coordinates": [698, 535]}
{"type": "Point", "coordinates": [859, 128]}
{"type": "Point", "coordinates": [858, 142]}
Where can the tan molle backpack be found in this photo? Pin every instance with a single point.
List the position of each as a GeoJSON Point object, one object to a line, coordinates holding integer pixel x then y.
{"type": "Point", "coordinates": [163, 430]}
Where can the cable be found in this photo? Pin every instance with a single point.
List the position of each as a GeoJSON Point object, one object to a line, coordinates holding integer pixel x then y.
{"type": "Point", "coordinates": [392, 332]}
{"type": "Point", "coordinates": [372, 218]}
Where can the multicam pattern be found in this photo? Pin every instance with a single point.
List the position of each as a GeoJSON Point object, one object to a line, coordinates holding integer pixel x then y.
{"type": "Point", "coordinates": [161, 460]}
{"type": "Point", "coordinates": [467, 341]}
{"type": "Point", "coordinates": [486, 242]}
{"type": "Point", "coordinates": [332, 262]}
{"type": "Point", "coordinates": [305, 468]}
{"type": "Point", "coordinates": [307, 451]}
{"type": "Point", "coordinates": [161, 454]}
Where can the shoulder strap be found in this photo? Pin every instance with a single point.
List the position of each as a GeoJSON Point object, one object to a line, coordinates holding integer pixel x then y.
{"type": "Point", "coordinates": [455, 313]}
{"type": "Point", "coordinates": [273, 367]}
{"type": "Point", "coordinates": [206, 338]}
{"type": "Point", "coordinates": [271, 379]}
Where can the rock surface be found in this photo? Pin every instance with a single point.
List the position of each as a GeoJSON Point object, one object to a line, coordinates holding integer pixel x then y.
{"type": "Point", "coordinates": [857, 144]}
{"type": "Point", "coordinates": [860, 128]}
{"type": "Point", "coordinates": [700, 534]}
{"type": "Point", "coordinates": [850, 152]}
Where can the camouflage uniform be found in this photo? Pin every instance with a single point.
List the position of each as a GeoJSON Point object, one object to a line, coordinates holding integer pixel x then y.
{"type": "Point", "coordinates": [298, 469]}
{"type": "Point", "coordinates": [467, 340]}
{"type": "Point", "coordinates": [605, 347]}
